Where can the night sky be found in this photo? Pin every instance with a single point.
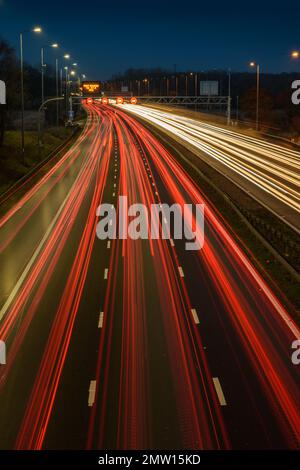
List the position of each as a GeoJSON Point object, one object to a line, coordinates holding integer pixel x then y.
{"type": "Point", "coordinates": [109, 37]}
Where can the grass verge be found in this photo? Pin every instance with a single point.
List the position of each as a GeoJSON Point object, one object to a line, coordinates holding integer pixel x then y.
{"type": "Point", "coordinates": [12, 167]}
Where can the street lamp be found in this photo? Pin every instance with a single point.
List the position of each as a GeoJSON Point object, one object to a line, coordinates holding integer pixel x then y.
{"type": "Point", "coordinates": [54, 46]}
{"type": "Point", "coordinates": [254, 64]}
{"type": "Point", "coordinates": [147, 82]}
{"type": "Point", "coordinates": [67, 56]}
{"type": "Point", "coordinates": [295, 54]}
{"type": "Point", "coordinates": [36, 29]}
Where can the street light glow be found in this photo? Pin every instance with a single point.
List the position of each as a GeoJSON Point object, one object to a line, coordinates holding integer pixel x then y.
{"type": "Point", "coordinates": [75, 64]}
{"type": "Point", "coordinates": [295, 54]}
{"type": "Point", "coordinates": [252, 64]}
{"type": "Point", "coordinates": [67, 56]}
{"type": "Point", "coordinates": [37, 29]}
{"type": "Point", "coordinates": [54, 45]}
{"type": "Point", "coordinates": [72, 72]}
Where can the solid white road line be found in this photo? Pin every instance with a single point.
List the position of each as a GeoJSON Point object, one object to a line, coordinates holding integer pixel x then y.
{"type": "Point", "coordinates": [195, 316]}
{"type": "Point", "coordinates": [100, 322]}
{"type": "Point", "coordinates": [92, 392]}
{"type": "Point", "coordinates": [180, 271]}
{"type": "Point", "coordinates": [219, 391]}
{"type": "Point", "coordinates": [105, 273]}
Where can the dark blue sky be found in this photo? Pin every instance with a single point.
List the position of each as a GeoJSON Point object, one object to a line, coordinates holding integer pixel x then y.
{"type": "Point", "coordinates": [106, 37]}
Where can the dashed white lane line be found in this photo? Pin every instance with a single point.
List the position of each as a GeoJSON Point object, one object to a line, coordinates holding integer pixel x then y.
{"type": "Point", "coordinates": [195, 316]}
{"type": "Point", "coordinates": [108, 244]}
{"type": "Point", "coordinates": [114, 194]}
{"type": "Point", "coordinates": [219, 391]}
{"type": "Point", "coordinates": [105, 273]}
{"type": "Point", "coordinates": [115, 184]}
{"type": "Point", "coordinates": [172, 242]}
{"type": "Point", "coordinates": [115, 177]}
{"type": "Point", "coordinates": [100, 322]}
{"type": "Point", "coordinates": [92, 392]}
{"type": "Point", "coordinates": [180, 271]}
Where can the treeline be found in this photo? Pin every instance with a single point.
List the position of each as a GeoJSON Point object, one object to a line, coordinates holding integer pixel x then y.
{"type": "Point", "coordinates": [10, 73]}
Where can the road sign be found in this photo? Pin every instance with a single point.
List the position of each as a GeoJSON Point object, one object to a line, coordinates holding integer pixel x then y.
{"type": "Point", "coordinates": [2, 92]}
{"type": "Point", "coordinates": [90, 88]}
{"type": "Point", "coordinates": [209, 88]}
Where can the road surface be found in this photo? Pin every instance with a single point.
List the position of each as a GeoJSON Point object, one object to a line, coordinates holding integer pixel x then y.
{"type": "Point", "coordinates": [134, 344]}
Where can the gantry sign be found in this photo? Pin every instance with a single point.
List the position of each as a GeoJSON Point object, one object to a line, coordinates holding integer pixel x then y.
{"type": "Point", "coordinates": [91, 88]}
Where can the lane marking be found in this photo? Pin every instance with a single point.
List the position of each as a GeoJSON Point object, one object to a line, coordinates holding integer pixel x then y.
{"type": "Point", "coordinates": [172, 242]}
{"type": "Point", "coordinates": [180, 271]}
{"type": "Point", "coordinates": [105, 273]}
{"type": "Point", "coordinates": [115, 184]}
{"type": "Point", "coordinates": [92, 392]}
{"type": "Point", "coordinates": [100, 322]}
{"type": "Point", "coordinates": [219, 391]}
{"type": "Point", "coordinates": [114, 194]}
{"type": "Point", "coordinates": [108, 244]}
{"type": "Point", "coordinates": [195, 316]}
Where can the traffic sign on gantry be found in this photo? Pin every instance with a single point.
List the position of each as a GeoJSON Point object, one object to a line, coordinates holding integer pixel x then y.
{"type": "Point", "coordinates": [91, 88]}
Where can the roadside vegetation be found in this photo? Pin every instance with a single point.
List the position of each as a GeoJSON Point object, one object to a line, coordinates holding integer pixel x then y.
{"type": "Point", "coordinates": [12, 167]}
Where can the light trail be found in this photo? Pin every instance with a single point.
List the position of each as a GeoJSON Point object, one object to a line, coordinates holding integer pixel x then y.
{"type": "Point", "coordinates": [272, 168]}
{"type": "Point", "coordinates": [151, 317]}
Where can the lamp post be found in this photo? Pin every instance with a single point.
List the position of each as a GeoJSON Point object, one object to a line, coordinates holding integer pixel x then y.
{"type": "Point", "coordinates": [57, 93]}
{"type": "Point", "coordinates": [66, 89]}
{"type": "Point", "coordinates": [43, 65]}
{"type": "Point", "coordinates": [254, 64]}
{"type": "Point", "coordinates": [36, 29]}
{"type": "Point", "coordinates": [229, 98]}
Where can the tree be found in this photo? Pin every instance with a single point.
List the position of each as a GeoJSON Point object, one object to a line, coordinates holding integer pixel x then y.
{"type": "Point", "coordinates": [266, 104]}
{"type": "Point", "coordinates": [10, 74]}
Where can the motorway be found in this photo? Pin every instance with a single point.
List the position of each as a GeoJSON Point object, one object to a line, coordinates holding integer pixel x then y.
{"type": "Point", "coordinates": [267, 171]}
{"type": "Point", "coordinates": [135, 344]}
